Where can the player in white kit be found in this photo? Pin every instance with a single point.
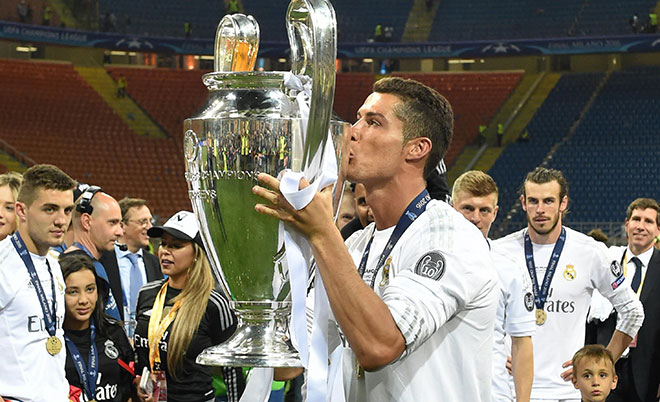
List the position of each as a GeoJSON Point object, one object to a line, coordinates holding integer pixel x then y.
{"type": "Point", "coordinates": [32, 291]}
{"type": "Point", "coordinates": [475, 196]}
{"type": "Point", "coordinates": [565, 266]}
{"type": "Point", "coordinates": [414, 294]}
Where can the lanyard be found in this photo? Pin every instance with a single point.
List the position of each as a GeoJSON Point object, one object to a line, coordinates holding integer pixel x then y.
{"type": "Point", "coordinates": [110, 302]}
{"type": "Point", "coordinates": [157, 327]}
{"type": "Point", "coordinates": [624, 263]}
{"type": "Point", "coordinates": [49, 315]}
{"type": "Point", "coordinates": [412, 212]}
{"type": "Point", "coordinates": [87, 377]}
{"type": "Point", "coordinates": [540, 295]}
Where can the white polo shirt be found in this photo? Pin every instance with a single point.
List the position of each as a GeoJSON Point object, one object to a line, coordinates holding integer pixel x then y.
{"type": "Point", "coordinates": [515, 317]}
{"type": "Point", "coordinates": [584, 265]}
{"type": "Point", "coordinates": [442, 292]}
{"type": "Point", "coordinates": [27, 371]}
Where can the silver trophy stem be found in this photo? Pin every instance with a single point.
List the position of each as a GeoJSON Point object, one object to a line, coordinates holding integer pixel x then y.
{"type": "Point", "coordinates": [261, 339]}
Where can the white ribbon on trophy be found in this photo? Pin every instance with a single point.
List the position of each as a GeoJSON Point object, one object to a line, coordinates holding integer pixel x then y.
{"type": "Point", "coordinates": [320, 386]}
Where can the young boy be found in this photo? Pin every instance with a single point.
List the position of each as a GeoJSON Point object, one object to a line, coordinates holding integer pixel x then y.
{"type": "Point", "coordinates": [593, 373]}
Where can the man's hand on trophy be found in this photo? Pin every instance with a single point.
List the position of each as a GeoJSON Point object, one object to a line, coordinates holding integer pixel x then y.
{"type": "Point", "coordinates": [314, 220]}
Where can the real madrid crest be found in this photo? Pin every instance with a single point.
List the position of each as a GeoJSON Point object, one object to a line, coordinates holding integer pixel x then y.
{"type": "Point", "coordinates": [569, 273]}
{"type": "Point", "coordinates": [110, 350]}
{"type": "Point", "coordinates": [385, 280]}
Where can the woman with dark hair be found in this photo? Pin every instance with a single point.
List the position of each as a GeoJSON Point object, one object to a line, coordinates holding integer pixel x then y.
{"type": "Point", "coordinates": [99, 361]}
{"type": "Point", "coordinates": [178, 317]}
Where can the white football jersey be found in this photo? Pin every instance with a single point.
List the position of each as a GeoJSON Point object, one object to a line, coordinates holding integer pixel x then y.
{"type": "Point", "coordinates": [28, 372]}
{"type": "Point", "coordinates": [442, 292]}
{"type": "Point", "coordinates": [584, 265]}
{"type": "Point", "coordinates": [515, 317]}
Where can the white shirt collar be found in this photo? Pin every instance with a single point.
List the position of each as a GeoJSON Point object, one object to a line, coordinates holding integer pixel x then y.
{"type": "Point", "coordinates": [121, 253]}
{"type": "Point", "coordinates": [645, 257]}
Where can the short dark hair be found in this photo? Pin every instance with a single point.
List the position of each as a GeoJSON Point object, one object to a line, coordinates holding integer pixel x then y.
{"type": "Point", "coordinates": [542, 175]}
{"type": "Point", "coordinates": [127, 203]}
{"type": "Point", "coordinates": [643, 203]}
{"type": "Point", "coordinates": [424, 113]}
{"type": "Point", "coordinates": [593, 352]}
{"type": "Point", "coordinates": [77, 261]}
{"type": "Point", "coordinates": [43, 177]}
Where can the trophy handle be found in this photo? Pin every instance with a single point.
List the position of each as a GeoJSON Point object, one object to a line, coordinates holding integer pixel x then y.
{"type": "Point", "coordinates": [236, 43]}
{"type": "Point", "coordinates": [312, 30]}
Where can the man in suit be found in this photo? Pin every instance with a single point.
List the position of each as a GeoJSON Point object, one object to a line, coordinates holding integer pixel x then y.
{"type": "Point", "coordinates": [129, 264]}
{"type": "Point", "coordinates": [639, 367]}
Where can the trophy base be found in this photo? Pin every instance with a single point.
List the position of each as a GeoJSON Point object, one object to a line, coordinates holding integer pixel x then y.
{"type": "Point", "coordinates": [261, 339]}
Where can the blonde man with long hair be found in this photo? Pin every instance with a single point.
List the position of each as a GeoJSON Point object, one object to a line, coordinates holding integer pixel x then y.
{"type": "Point", "coordinates": [180, 316]}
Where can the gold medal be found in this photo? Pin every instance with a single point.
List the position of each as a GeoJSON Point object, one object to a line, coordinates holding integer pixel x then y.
{"type": "Point", "coordinates": [540, 316]}
{"type": "Point", "coordinates": [53, 345]}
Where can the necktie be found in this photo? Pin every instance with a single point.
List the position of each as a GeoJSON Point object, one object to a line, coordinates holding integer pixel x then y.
{"type": "Point", "coordinates": [637, 278]}
{"type": "Point", "coordinates": [135, 281]}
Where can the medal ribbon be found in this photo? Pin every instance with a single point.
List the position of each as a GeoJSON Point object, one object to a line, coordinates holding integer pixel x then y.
{"type": "Point", "coordinates": [49, 315]}
{"type": "Point", "coordinates": [87, 377]}
{"type": "Point", "coordinates": [412, 212]}
{"type": "Point", "coordinates": [110, 303]}
{"type": "Point", "coordinates": [157, 327]}
{"type": "Point", "coordinates": [540, 295]}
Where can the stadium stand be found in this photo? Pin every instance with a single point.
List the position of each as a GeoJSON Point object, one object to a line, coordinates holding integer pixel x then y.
{"type": "Point", "coordinates": [549, 125]}
{"type": "Point", "coordinates": [475, 98]}
{"type": "Point", "coordinates": [618, 135]}
{"type": "Point", "coordinates": [57, 118]}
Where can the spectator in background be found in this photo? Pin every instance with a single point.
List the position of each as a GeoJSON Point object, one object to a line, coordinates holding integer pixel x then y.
{"type": "Point", "coordinates": [500, 134]}
{"type": "Point", "coordinates": [10, 184]}
{"type": "Point", "coordinates": [22, 10]}
{"type": "Point", "coordinates": [378, 33]}
{"type": "Point", "coordinates": [187, 29]}
{"type": "Point", "coordinates": [652, 26]}
{"type": "Point", "coordinates": [233, 7]}
{"type": "Point", "coordinates": [388, 33]}
{"type": "Point", "coordinates": [634, 23]}
{"type": "Point", "coordinates": [121, 86]}
{"type": "Point", "coordinates": [46, 15]}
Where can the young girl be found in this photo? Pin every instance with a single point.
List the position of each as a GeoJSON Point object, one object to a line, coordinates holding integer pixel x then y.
{"type": "Point", "coordinates": [178, 317]}
{"type": "Point", "coordinates": [99, 361]}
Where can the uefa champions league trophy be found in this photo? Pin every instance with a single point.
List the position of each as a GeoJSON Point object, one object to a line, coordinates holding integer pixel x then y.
{"type": "Point", "coordinates": [252, 123]}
